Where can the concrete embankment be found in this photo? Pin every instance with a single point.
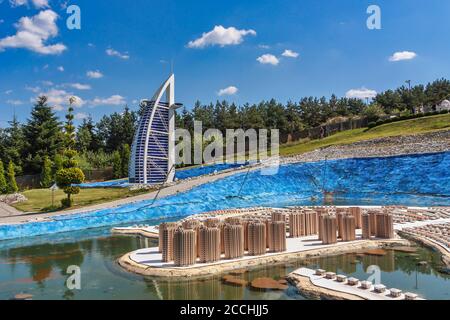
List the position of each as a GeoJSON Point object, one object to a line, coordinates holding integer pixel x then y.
{"type": "Point", "coordinates": [202, 270]}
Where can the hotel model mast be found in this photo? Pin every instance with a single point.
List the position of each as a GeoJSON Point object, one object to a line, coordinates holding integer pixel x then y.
{"type": "Point", "coordinates": [153, 150]}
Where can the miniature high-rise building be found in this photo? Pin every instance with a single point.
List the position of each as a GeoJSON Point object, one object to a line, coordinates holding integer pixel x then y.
{"type": "Point", "coordinates": [365, 225]}
{"type": "Point", "coordinates": [233, 241]}
{"type": "Point", "coordinates": [209, 244]}
{"type": "Point", "coordinates": [193, 225]}
{"type": "Point", "coordinates": [329, 230]}
{"type": "Point", "coordinates": [348, 228]}
{"type": "Point", "coordinates": [356, 212]}
{"type": "Point", "coordinates": [184, 247]}
{"type": "Point", "coordinates": [256, 238]}
{"type": "Point", "coordinates": [152, 158]}
{"type": "Point", "coordinates": [295, 225]}
{"type": "Point", "coordinates": [384, 225]}
{"type": "Point", "coordinates": [278, 216]}
{"type": "Point", "coordinates": [166, 234]}
{"type": "Point", "coordinates": [340, 222]}
{"type": "Point", "coordinates": [277, 230]}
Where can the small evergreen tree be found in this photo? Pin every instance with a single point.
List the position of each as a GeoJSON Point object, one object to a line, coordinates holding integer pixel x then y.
{"type": "Point", "coordinates": [12, 184]}
{"type": "Point", "coordinates": [70, 174]}
{"type": "Point", "coordinates": [117, 165]}
{"type": "Point", "coordinates": [125, 159]}
{"type": "Point", "coordinates": [46, 174]}
{"type": "Point", "coordinates": [3, 185]}
{"type": "Point", "coordinates": [57, 163]}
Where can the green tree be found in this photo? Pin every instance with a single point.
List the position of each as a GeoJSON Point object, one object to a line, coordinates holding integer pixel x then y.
{"type": "Point", "coordinates": [12, 184]}
{"type": "Point", "coordinates": [70, 175]}
{"type": "Point", "coordinates": [117, 165]}
{"type": "Point", "coordinates": [43, 136]}
{"type": "Point", "coordinates": [373, 112]}
{"type": "Point", "coordinates": [125, 154]}
{"type": "Point", "coordinates": [3, 185]}
{"type": "Point", "coordinates": [15, 144]}
{"type": "Point", "coordinates": [46, 174]}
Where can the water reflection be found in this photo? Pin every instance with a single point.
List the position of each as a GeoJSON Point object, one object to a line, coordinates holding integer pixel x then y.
{"type": "Point", "coordinates": [40, 270]}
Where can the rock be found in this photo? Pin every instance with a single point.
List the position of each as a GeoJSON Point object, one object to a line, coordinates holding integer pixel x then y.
{"type": "Point", "coordinates": [283, 281]}
{"type": "Point", "coordinates": [238, 272]}
{"type": "Point", "coordinates": [375, 252]}
{"type": "Point", "coordinates": [23, 296]}
{"type": "Point", "coordinates": [422, 263]}
{"type": "Point", "coordinates": [267, 284]}
{"type": "Point", "coordinates": [228, 279]}
{"type": "Point", "coordinates": [444, 270]}
{"type": "Point", "coordinates": [404, 249]}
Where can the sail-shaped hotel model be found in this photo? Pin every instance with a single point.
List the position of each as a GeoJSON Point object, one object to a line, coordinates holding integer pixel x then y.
{"type": "Point", "coordinates": [153, 150]}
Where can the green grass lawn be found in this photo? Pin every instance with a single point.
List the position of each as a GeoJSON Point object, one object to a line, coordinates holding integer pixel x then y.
{"type": "Point", "coordinates": [40, 200]}
{"type": "Point", "coordinates": [401, 128]}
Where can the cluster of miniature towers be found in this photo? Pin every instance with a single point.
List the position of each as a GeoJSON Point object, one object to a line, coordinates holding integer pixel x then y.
{"type": "Point", "coordinates": [192, 241]}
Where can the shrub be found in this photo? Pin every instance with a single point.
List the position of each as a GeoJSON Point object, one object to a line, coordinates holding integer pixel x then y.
{"type": "Point", "coordinates": [372, 125]}
{"type": "Point", "coordinates": [3, 185]}
{"type": "Point", "coordinates": [12, 184]}
{"type": "Point", "coordinates": [117, 165]}
{"type": "Point", "coordinates": [46, 174]}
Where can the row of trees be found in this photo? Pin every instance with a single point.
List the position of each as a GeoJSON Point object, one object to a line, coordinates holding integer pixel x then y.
{"type": "Point", "coordinates": [37, 146]}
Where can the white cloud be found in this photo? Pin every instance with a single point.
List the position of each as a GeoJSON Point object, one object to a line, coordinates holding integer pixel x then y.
{"type": "Point", "coordinates": [60, 68]}
{"type": "Point", "coordinates": [114, 100]}
{"type": "Point", "coordinates": [115, 53]}
{"type": "Point", "coordinates": [32, 33]}
{"type": "Point", "coordinates": [47, 83]}
{"type": "Point", "coordinates": [57, 99]}
{"type": "Point", "coordinates": [15, 102]}
{"type": "Point", "coordinates": [33, 89]}
{"type": "Point", "coordinates": [1, 21]}
{"type": "Point", "coordinates": [361, 93]}
{"type": "Point", "coordinates": [80, 86]}
{"type": "Point", "coordinates": [263, 46]}
{"type": "Point", "coordinates": [8, 91]}
{"type": "Point", "coordinates": [94, 74]}
{"type": "Point", "coordinates": [38, 4]}
{"type": "Point", "coordinates": [268, 59]}
{"type": "Point", "coordinates": [290, 54]}
{"type": "Point", "coordinates": [402, 55]}
{"type": "Point", "coordinates": [221, 36]}
{"type": "Point", "coordinates": [229, 91]}
{"type": "Point", "coordinates": [80, 116]}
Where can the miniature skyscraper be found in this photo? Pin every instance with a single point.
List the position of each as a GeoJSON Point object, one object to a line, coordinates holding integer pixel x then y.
{"type": "Point", "coordinates": [153, 150]}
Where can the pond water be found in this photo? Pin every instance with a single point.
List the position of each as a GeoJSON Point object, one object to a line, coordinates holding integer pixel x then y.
{"type": "Point", "coordinates": [39, 268]}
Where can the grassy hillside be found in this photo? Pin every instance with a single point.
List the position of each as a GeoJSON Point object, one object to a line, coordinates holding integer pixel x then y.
{"type": "Point", "coordinates": [408, 127]}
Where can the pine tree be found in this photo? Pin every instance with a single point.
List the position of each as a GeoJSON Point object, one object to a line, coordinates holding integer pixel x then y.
{"type": "Point", "coordinates": [15, 144]}
{"type": "Point", "coordinates": [70, 175]}
{"type": "Point", "coordinates": [12, 184]}
{"type": "Point", "coordinates": [125, 154]}
{"type": "Point", "coordinates": [117, 165]}
{"type": "Point", "coordinates": [3, 185]}
{"type": "Point", "coordinates": [43, 135]}
{"type": "Point", "coordinates": [46, 174]}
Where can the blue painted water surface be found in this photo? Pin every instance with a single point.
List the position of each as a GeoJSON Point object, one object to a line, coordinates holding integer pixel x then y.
{"type": "Point", "coordinates": [417, 180]}
{"type": "Point", "coordinates": [179, 175]}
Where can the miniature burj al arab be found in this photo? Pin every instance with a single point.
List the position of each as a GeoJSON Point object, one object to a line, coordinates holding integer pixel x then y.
{"type": "Point", "coordinates": [153, 150]}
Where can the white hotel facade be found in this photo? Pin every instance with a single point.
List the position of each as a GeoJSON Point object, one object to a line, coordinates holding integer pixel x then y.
{"type": "Point", "coordinates": [153, 149]}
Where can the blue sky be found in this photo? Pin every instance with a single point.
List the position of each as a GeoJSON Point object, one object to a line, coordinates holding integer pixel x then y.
{"type": "Point", "coordinates": [132, 43]}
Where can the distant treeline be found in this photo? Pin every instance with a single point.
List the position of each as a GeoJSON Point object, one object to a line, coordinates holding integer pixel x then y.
{"type": "Point", "coordinates": [28, 144]}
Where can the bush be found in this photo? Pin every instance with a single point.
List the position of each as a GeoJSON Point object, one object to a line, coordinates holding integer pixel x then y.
{"type": "Point", "coordinates": [67, 202]}
{"type": "Point", "coordinates": [3, 185]}
{"type": "Point", "coordinates": [373, 112]}
{"type": "Point", "coordinates": [372, 125]}
{"type": "Point", "coordinates": [12, 184]}
{"type": "Point", "coordinates": [46, 174]}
